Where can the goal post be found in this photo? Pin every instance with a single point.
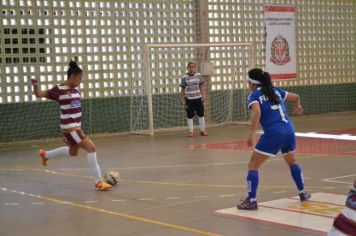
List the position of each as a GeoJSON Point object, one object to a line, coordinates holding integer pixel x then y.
{"type": "Point", "coordinates": [223, 66]}
{"type": "Point", "coordinates": [148, 82]}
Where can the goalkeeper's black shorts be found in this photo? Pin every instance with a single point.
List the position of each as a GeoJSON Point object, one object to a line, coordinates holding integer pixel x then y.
{"type": "Point", "coordinates": [194, 105]}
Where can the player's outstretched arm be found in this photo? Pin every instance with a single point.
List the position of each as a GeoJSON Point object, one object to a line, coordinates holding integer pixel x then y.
{"type": "Point", "coordinates": [295, 98]}
{"type": "Point", "coordinates": [36, 89]}
{"type": "Point", "coordinates": [255, 122]}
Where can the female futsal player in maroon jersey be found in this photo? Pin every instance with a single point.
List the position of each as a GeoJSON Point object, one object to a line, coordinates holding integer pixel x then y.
{"type": "Point", "coordinates": [68, 98]}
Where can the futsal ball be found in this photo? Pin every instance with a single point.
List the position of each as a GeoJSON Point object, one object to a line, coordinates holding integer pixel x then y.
{"type": "Point", "coordinates": [112, 177]}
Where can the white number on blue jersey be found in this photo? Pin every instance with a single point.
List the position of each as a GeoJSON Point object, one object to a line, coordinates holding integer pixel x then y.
{"type": "Point", "coordinates": [280, 108]}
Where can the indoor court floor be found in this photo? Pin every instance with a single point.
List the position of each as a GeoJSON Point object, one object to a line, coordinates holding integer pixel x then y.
{"type": "Point", "coordinates": [173, 185]}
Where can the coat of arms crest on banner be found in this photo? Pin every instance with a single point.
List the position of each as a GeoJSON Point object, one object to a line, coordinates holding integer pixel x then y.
{"type": "Point", "coordinates": [280, 51]}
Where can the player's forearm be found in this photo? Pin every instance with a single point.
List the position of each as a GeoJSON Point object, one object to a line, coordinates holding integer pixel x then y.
{"type": "Point", "coordinates": [297, 101]}
{"type": "Point", "coordinates": [181, 95]}
{"type": "Point", "coordinates": [36, 90]}
{"type": "Point", "coordinates": [38, 93]}
{"type": "Point", "coordinates": [255, 121]}
{"type": "Point", "coordinates": [202, 90]}
{"type": "Point", "coordinates": [294, 98]}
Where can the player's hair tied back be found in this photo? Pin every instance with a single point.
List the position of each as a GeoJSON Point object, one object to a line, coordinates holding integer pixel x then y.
{"type": "Point", "coordinates": [74, 69]}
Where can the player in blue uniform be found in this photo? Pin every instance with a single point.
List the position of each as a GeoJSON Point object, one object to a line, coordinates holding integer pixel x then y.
{"type": "Point", "coordinates": [267, 105]}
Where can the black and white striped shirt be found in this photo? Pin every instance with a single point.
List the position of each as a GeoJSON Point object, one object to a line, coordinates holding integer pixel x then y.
{"type": "Point", "coordinates": [191, 85]}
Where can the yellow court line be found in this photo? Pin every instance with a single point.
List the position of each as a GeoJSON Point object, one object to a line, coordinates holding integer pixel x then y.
{"type": "Point", "coordinates": [114, 213]}
{"type": "Point", "coordinates": [291, 186]}
{"type": "Point", "coordinates": [48, 171]}
{"type": "Point", "coordinates": [175, 166]}
{"type": "Point", "coordinates": [201, 185]}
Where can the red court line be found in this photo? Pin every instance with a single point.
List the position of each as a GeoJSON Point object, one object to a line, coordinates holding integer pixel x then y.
{"type": "Point", "coordinates": [251, 219]}
{"type": "Point", "coordinates": [305, 145]}
{"type": "Point", "coordinates": [339, 194]}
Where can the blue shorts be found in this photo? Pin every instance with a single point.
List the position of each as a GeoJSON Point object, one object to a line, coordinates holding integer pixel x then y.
{"type": "Point", "coordinates": [270, 145]}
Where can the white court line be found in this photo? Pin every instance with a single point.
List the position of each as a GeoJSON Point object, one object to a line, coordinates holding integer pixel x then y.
{"type": "Point", "coordinates": [118, 200]}
{"type": "Point", "coordinates": [173, 198]}
{"type": "Point", "coordinates": [91, 201]}
{"type": "Point", "coordinates": [277, 192]}
{"type": "Point", "coordinates": [145, 199]}
{"type": "Point", "coordinates": [37, 203]}
{"type": "Point", "coordinates": [176, 204]}
{"type": "Point", "coordinates": [227, 195]}
{"type": "Point", "coordinates": [200, 196]}
{"type": "Point", "coordinates": [11, 204]}
{"type": "Point", "coordinates": [11, 169]}
{"type": "Point", "coordinates": [332, 180]}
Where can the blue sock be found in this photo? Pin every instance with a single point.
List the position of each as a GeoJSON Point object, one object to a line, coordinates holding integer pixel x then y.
{"type": "Point", "coordinates": [252, 184]}
{"type": "Point", "coordinates": [297, 177]}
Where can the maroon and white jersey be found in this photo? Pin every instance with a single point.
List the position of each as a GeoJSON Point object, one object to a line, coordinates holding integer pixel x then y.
{"type": "Point", "coordinates": [69, 102]}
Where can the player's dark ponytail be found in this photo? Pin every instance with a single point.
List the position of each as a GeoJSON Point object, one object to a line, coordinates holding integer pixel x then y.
{"type": "Point", "coordinates": [265, 83]}
{"type": "Point", "coordinates": [74, 69]}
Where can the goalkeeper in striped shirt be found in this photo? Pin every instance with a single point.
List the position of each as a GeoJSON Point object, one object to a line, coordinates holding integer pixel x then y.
{"type": "Point", "coordinates": [192, 95]}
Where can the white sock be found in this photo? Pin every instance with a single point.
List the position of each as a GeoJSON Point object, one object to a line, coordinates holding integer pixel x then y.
{"type": "Point", "coordinates": [58, 152]}
{"type": "Point", "coordinates": [94, 166]}
{"type": "Point", "coordinates": [202, 123]}
{"type": "Point", "coordinates": [190, 125]}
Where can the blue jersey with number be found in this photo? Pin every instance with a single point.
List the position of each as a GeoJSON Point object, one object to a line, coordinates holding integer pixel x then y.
{"type": "Point", "coordinates": [274, 118]}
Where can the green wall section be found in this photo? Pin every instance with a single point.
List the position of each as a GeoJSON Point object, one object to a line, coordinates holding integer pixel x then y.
{"type": "Point", "coordinates": [40, 120]}
{"type": "Point", "coordinates": [326, 98]}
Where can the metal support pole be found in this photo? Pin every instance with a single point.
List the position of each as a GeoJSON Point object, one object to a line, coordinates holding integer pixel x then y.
{"type": "Point", "coordinates": [202, 37]}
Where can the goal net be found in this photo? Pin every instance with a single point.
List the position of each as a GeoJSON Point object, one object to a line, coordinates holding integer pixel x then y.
{"type": "Point", "coordinates": [155, 103]}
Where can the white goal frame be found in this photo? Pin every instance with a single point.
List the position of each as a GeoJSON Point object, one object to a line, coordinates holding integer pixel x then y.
{"type": "Point", "coordinates": [147, 69]}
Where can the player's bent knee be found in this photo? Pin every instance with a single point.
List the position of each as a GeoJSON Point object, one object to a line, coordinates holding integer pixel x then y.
{"type": "Point", "coordinates": [253, 165]}
{"type": "Point", "coordinates": [92, 148]}
{"type": "Point", "coordinates": [290, 160]}
{"type": "Point", "coordinates": [73, 152]}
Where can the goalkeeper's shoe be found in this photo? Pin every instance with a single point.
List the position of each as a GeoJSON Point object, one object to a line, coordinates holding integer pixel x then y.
{"type": "Point", "coordinates": [42, 154]}
{"type": "Point", "coordinates": [204, 133]}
